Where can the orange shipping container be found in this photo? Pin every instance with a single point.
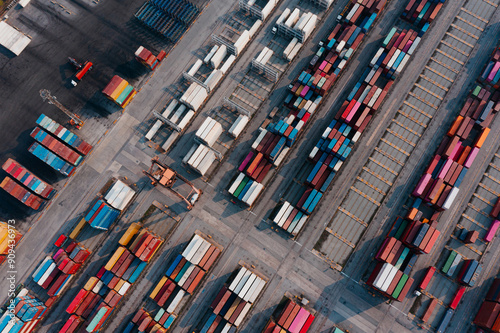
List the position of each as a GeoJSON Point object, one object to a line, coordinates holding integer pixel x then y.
{"type": "Point", "coordinates": [482, 138]}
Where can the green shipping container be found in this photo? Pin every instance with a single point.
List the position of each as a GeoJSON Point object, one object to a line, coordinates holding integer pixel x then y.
{"type": "Point", "coordinates": [449, 261]}
{"type": "Point", "coordinates": [125, 93]}
{"type": "Point", "coordinates": [97, 318]}
{"type": "Point", "coordinates": [401, 229]}
{"type": "Point", "coordinates": [183, 271]}
{"type": "Point", "coordinates": [402, 258]}
{"type": "Point", "coordinates": [241, 186]}
{"type": "Point", "coordinates": [389, 36]}
{"type": "Point", "coordinates": [476, 91]}
{"type": "Point", "coordinates": [400, 286]}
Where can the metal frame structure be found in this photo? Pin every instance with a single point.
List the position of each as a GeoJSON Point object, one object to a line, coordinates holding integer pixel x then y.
{"type": "Point", "coordinates": [229, 45]}
{"type": "Point", "coordinates": [323, 4]}
{"type": "Point", "coordinates": [240, 109]}
{"type": "Point", "coordinates": [164, 175]}
{"type": "Point", "coordinates": [166, 121]}
{"type": "Point", "coordinates": [217, 153]}
{"type": "Point", "coordinates": [191, 78]}
{"type": "Point", "coordinates": [268, 70]}
{"type": "Point", "coordinates": [290, 32]}
{"type": "Point", "coordinates": [75, 120]}
{"type": "Point", "coordinates": [252, 9]}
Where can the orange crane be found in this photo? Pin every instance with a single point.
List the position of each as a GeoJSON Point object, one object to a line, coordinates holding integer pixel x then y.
{"type": "Point", "coordinates": [164, 175]}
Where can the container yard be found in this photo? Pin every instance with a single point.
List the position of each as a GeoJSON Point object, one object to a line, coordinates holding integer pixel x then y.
{"type": "Point", "coordinates": [284, 166]}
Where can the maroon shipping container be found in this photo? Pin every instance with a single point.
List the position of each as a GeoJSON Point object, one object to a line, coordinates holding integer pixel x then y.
{"type": "Point", "coordinates": [487, 314]}
{"type": "Point", "coordinates": [428, 312]}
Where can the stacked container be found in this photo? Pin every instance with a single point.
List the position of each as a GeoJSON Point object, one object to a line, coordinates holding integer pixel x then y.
{"type": "Point", "coordinates": [209, 131]}
{"type": "Point", "coordinates": [57, 147]}
{"type": "Point", "coordinates": [233, 302]}
{"type": "Point", "coordinates": [390, 281]}
{"type": "Point", "coordinates": [101, 215]}
{"type": "Point", "coordinates": [488, 316]}
{"type": "Point", "coordinates": [396, 50]}
{"type": "Point", "coordinates": [148, 59]}
{"type": "Point", "coordinates": [119, 91]}
{"type": "Point", "coordinates": [306, 93]}
{"type": "Point", "coordinates": [20, 193]}
{"type": "Point", "coordinates": [63, 134]}
{"type": "Point", "coordinates": [28, 179]}
{"type": "Point", "coordinates": [9, 237]}
{"type": "Point", "coordinates": [420, 237]}
{"type": "Point", "coordinates": [95, 302]}
{"type": "Point", "coordinates": [491, 73]}
{"type": "Point", "coordinates": [27, 312]}
{"type": "Point", "coordinates": [55, 273]}
{"type": "Point", "coordinates": [200, 158]}
{"type": "Point", "coordinates": [194, 96]}
{"type": "Point", "coordinates": [289, 218]}
{"type": "Point", "coordinates": [470, 272]}
{"type": "Point", "coordinates": [51, 159]}
{"type": "Point", "coordinates": [293, 318]}
{"type": "Point", "coordinates": [439, 186]}
{"type": "Point", "coordinates": [145, 322]}
{"type": "Point", "coordinates": [422, 12]}
{"type": "Point", "coordinates": [245, 188]}
{"type": "Point", "coordinates": [119, 195]}
{"type": "Point", "coordinates": [185, 273]}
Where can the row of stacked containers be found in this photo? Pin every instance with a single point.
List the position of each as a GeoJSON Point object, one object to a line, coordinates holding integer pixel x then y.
{"type": "Point", "coordinates": [23, 313]}
{"type": "Point", "coordinates": [173, 291]}
{"type": "Point", "coordinates": [95, 302]}
{"type": "Point", "coordinates": [9, 237]}
{"type": "Point", "coordinates": [307, 92]}
{"type": "Point", "coordinates": [170, 18]}
{"type": "Point", "coordinates": [488, 315]}
{"type": "Point", "coordinates": [437, 190]}
{"type": "Point", "coordinates": [233, 301]}
{"type": "Point", "coordinates": [290, 316]}
{"type": "Point", "coordinates": [55, 145]}
{"type": "Point", "coordinates": [351, 119]}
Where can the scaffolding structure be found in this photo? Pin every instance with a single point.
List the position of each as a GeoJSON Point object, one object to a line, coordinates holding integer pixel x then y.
{"type": "Point", "coordinates": [229, 45]}
{"type": "Point", "coordinates": [166, 121]}
{"type": "Point", "coordinates": [191, 79]}
{"type": "Point", "coordinates": [252, 9]}
{"type": "Point", "coordinates": [241, 110]}
{"type": "Point", "coordinates": [323, 4]}
{"type": "Point", "coordinates": [291, 33]}
{"type": "Point", "coordinates": [268, 71]}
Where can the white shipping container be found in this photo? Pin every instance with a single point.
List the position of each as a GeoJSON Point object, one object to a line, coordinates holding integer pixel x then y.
{"type": "Point", "coordinates": [236, 183]}
{"type": "Point", "coordinates": [352, 12]}
{"type": "Point", "coordinates": [254, 194]}
{"type": "Point", "coordinates": [371, 74]}
{"type": "Point", "coordinates": [450, 198]}
{"type": "Point", "coordinates": [185, 120]}
{"type": "Point", "coordinates": [382, 275]}
{"type": "Point", "coordinates": [414, 45]}
{"type": "Point", "coordinates": [356, 136]}
{"type": "Point", "coordinates": [281, 156]}
{"type": "Point", "coordinates": [238, 277]}
{"type": "Point", "coordinates": [258, 289]}
{"type": "Point", "coordinates": [246, 296]}
{"type": "Point", "coordinates": [290, 47]}
{"type": "Point", "coordinates": [389, 279]}
{"type": "Point", "coordinates": [188, 92]}
{"type": "Point", "coordinates": [454, 265]}
{"type": "Point", "coordinates": [199, 99]}
{"type": "Point", "coordinates": [310, 26]}
{"type": "Point", "coordinates": [206, 162]}
{"type": "Point", "coordinates": [242, 41]}
{"type": "Point", "coordinates": [201, 130]}
{"type": "Point", "coordinates": [326, 133]}
{"type": "Point", "coordinates": [47, 273]}
{"type": "Point", "coordinates": [340, 46]}
{"type": "Point", "coordinates": [313, 152]}
{"type": "Point", "coordinates": [218, 56]}
{"type": "Point", "coordinates": [267, 56]}
{"type": "Point", "coordinates": [242, 282]}
{"type": "Point", "coordinates": [192, 96]}
{"type": "Point", "coordinates": [121, 205]}
{"type": "Point", "coordinates": [226, 328]}
{"type": "Point", "coordinates": [282, 211]}
{"type": "Point", "coordinates": [285, 216]}
{"type": "Point", "coordinates": [301, 23]}
{"type": "Point", "coordinates": [337, 166]}
{"type": "Point", "coordinates": [175, 302]}
{"type": "Point", "coordinates": [211, 54]}
{"type": "Point", "coordinates": [299, 225]}
{"type": "Point", "coordinates": [213, 79]}
{"type": "Point", "coordinates": [196, 66]}
{"type": "Point", "coordinates": [202, 250]}
{"type": "Point", "coordinates": [200, 157]}
{"type": "Point", "coordinates": [261, 136]}
{"type": "Point", "coordinates": [170, 140]}
{"type": "Point", "coordinates": [238, 126]}
{"type": "Point", "coordinates": [283, 16]}
{"type": "Point", "coordinates": [247, 285]}
{"type": "Point", "coordinates": [261, 54]}
{"type": "Point", "coordinates": [195, 242]}
{"type": "Point", "coordinates": [250, 191]}
{"type": "Point", "coordinates": [402, 64]}
{"type": "Point", "coordinates": [393, 59]}
{"type": "Point", "coordinates": [364, 93]}
{"type": "Point", "coordinates": [256, 26]}
{"type": "Point", "coordinates": [152, 131]}
{"type": "Point", "coordinates": [227, 64]}
{"type": "Point", "coordinates": [292, 19]}
{"type": "Point", "coordinates": [375, 97]}
{"type": "Point", "coordinates": [377, 56]}
{"type": "Point", "coordinates": [123, 290]}
{"type": "Point", "coordinates": [170, 108]}
{"type": "Point", "coordinates": [178, 114]}
{"type": "Point", "coordinates": [294, 52]}
{"type": "Point", "coordinates": [242, 314]}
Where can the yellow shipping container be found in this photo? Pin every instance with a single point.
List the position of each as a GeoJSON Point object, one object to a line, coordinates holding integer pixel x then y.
{"type": "Point", "coordinates": [136, 240]}
{"type": "Point", "coordinates": [129, 234]}
{"type": "Point", "coordinates": [158, 287]}
{"type": "Point", "coordinates": [76, 231]}
{"type": "Point", "coordinates": [91, 283]}
{"type": "Point", "coordinates": [121, 87]}
{"type": "Point", "coordinates": [119, 285]}
{"type": "Point", "coordinates": [112, 261]}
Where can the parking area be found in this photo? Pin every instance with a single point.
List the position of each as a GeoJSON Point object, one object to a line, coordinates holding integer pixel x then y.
{"type": "Point", "coordinates": [394, 149]}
